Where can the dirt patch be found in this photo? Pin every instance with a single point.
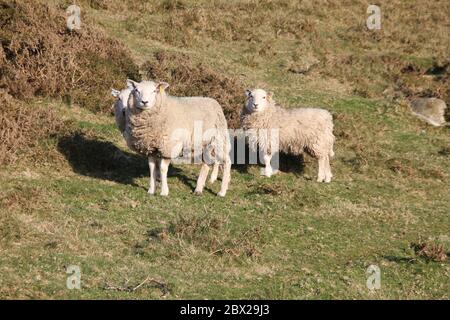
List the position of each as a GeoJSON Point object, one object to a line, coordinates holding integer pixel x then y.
{"type": "Point", "coordinates": [188, 78]}
{"type": "Point", "coordinates": [40, 57]}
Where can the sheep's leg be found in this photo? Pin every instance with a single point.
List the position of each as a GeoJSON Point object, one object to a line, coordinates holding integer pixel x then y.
{"type": "Point", "coordinates": [268, 167]}
{"type": "Point", "coordinates": [214, 173]}
{"type": "Point", "coordinates": [322, 169]}
{"type": "Point", "coordinates": [152, 164]}
{"type": "Point", "coordinates": [226, 177]}
{"type": "Point", "coordinates": [328, 174]}
{"type": "Point", "coordinates": [164, 168]}
{"type": "Point", "coordinates": [201, 179]}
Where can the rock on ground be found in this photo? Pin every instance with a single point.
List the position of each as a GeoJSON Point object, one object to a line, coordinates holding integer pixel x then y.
{"type": "Point", "coordinates": [432, 110]}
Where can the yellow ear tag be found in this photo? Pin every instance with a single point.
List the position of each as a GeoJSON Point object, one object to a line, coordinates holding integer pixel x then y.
{"type": "Point", "coordinates": [161, 89]}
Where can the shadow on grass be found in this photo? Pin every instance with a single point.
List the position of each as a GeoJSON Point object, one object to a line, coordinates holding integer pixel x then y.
{"type": "Point", "coordinates": [287, 163]}
{"type": "Point", "coordinates": [103, 160]}
{"type": "Point", "coordinates": [292, 164]}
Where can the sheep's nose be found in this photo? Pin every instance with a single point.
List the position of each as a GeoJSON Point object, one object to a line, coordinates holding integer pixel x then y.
{"type": "Point", "coordinates": [144, 102]}
{"type": "Point", "coordinates": [255, 105]}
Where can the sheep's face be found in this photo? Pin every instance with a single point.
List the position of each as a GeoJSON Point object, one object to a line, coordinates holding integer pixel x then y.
{"type": "Point", "coordinates": [257, 100]}
{"type": "Point", "coordinates": [122, 98]}
{"type": "Point", "coordinates": [145, 92]}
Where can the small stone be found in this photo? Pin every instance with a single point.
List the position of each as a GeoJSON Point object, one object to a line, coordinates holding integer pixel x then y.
{"type": "Point", "coordinates": [432, 110]}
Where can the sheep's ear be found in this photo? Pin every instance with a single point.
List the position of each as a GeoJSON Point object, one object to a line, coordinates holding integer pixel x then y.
{"type": "Point", "coordinates": [115, 93]}
{"type": "Point", "coordinates": [131, 84]}
{"type": "Point", "coordinates": [269, 96]}
{"type": "Point", "coordinates": [162, 86]}
{"type": "Point", "coordinates": [248, 93]}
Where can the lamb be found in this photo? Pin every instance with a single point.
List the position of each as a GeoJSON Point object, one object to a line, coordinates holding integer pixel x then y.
{"type": "Point", "coordinates": [161, 126]}
{"type": "Point", "coordinates": [301, 130]}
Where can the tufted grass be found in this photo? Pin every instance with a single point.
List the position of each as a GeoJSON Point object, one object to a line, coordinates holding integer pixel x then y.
{"type": "Point", "coordinates": [287, 237]}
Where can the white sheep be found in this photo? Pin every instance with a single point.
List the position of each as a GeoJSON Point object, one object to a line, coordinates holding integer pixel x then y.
{"type": "Point", "coordinates": [120, 106]}
{"type": "Point", "coordinates": [301, 130]}
{"type": "Point", "coordinates": [161, 126]}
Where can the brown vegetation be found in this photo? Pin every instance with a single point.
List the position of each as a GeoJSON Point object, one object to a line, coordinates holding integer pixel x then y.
{"type": "Point", "coordinates": [429, 251]}
{"type": "Point", "coordinates": [188, 78]}
{"type": "Point", "coordinates": [22, 126]}
{"type": "Point", "coordinates": [40, 56]}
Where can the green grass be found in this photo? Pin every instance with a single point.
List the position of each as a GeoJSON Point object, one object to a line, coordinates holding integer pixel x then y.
{"type": "Point", "coordinates": [286, 237]}
{"type": "Point", "coordinates": [311, 240]}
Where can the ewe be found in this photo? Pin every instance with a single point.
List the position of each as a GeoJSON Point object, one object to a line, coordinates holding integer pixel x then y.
{"type": "Point", "coordinates": [161, 127]}
{"type": "Point", "coordinates": [119, 107]}
{"type": "Point", "coordinates": [300, 130]}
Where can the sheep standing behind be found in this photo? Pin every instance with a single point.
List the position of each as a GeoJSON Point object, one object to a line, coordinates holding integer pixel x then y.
{"type": "Point", "coordinates": [161, 126]}
{"type": "Point", "coordinates": [120, 106]}
{"type": "Point", "coordinates": [301, 130]}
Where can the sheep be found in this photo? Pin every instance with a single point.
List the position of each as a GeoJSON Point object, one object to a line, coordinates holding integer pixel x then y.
{"type": "Point", "coordinates": [161, 126]}
{"type": "Point", "coordinates": [301, 130]}
{"type": "Point", "coordinates": [119, 106]}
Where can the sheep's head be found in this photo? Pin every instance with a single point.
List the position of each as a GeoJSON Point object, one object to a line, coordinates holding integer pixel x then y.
{"type": "Point", "coordinates": [144, 93]}
{"type": "Point", "coordinates": [121, 95]}
{"type": "Point", "coordinates": [122, 98]}
{"type": "Point", "coordinates": [257, 100]}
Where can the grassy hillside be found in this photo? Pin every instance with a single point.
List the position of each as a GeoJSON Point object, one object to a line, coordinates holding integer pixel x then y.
{"type": "Point", "coordinates": [73, 194]}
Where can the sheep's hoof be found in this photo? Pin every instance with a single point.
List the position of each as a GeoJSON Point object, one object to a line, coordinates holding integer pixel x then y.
{"type": "Point", "coordinates": [266, 173]}
{"type": "Point", "coordinates": [221, 194]}
{"type": "Point", "coordinates": [151, 192]}
{"type": "Point", "coordinates": [211, 181]}
{"type": "Point", "coordinates": [164, 193]}
{"type": "Point", "coordinates": [198, 193]}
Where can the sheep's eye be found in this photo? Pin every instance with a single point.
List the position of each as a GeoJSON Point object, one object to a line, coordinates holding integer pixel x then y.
{"type": "Point", "coordinates": [264, 97]}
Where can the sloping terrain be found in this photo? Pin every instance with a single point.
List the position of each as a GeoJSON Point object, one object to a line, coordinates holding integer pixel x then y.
{"type": "Point", "coordinates": [73, 194]}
